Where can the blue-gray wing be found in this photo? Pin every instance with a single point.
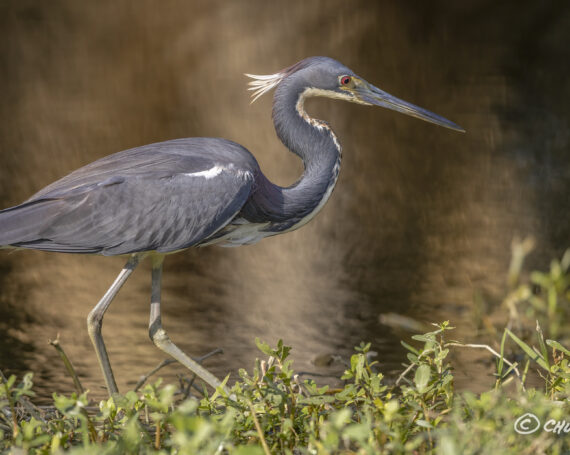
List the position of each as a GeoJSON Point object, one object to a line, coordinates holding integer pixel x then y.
{"type": "Point", "coordinates": [140, 200]}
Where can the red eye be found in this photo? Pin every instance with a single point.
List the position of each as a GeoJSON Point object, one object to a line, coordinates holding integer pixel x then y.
{"type": "Point", "coordinates": [345, 80]}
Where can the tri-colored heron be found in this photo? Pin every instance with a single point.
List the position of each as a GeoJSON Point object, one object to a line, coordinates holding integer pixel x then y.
{"type": "Point", "coordinates": [165, 197]}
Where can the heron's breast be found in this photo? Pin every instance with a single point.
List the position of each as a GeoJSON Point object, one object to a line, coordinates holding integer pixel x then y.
{"type": "Point", "coordinates": [239, 232]}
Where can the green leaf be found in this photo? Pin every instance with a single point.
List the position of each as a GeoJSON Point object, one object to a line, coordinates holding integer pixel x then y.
{"type": "Point", "coordinates": [317, 400]}
{"type": "Point", "coordinates": [556, 345]}
{"type": "Point", "coordinates": [528, 350]}
{"type": "Point", "coordinates": [427, 338]}
{"type": "Point", "coordinates": [422, 377]}
{"type": "Point", "coordinates": [412, 358]}
{"type": "Point", "coordinates": [543, 349]}
{"type": "Point", "coordinates": [263, 347]}
{"type": "Point", "coordinates": [357, 432]}
{"type": "Point", "coordinates": [424, 424]}
{"type": "Point", "coordinates": [409, 347]}
{"type": "Point", "coordinates": [501, 359]}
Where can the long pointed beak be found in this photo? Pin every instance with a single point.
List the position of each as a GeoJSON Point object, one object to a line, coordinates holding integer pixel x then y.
{"type": "Point", "coordinates": [369, 94]}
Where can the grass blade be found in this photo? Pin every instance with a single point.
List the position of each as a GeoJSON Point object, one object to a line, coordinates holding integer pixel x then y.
{"type": "Point", "coordinates": [528, 350]}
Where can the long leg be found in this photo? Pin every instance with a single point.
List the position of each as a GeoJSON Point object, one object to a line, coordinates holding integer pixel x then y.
{"type": "Point", "coordinates": [159, 336]}
{"type": "Point", "coordinates": [95, 321]}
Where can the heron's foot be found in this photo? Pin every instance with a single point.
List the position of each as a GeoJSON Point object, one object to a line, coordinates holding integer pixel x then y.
{"type": "Point", "coordinates": [162, 341]}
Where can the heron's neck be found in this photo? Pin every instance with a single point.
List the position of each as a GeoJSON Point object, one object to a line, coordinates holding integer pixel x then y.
{"type": "Point", "coordinates": [313, 141]}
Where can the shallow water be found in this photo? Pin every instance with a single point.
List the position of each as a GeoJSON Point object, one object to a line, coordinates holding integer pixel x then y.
{"type": "Point", "coordinates": [422, 217]}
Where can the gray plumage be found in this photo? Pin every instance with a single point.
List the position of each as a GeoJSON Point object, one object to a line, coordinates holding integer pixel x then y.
{"type": "Point", "coordinates": [142, 199]}
{"type": "Point", "coordinates": [172, 195]}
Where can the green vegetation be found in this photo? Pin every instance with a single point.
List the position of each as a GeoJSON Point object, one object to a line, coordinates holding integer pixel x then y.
{"type": "Point", "coordinates": [272, 411]}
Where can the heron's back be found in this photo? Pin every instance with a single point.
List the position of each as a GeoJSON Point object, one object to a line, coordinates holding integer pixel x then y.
{"type": "Point", "coordinates": [164, 196]}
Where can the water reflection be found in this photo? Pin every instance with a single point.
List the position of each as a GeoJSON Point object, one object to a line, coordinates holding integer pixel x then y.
{"type": "Point", "coordinates": [422, 217]}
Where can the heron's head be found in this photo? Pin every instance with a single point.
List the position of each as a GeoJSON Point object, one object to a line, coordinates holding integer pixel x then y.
{"type": "Point", "coordinates": [323, 76]}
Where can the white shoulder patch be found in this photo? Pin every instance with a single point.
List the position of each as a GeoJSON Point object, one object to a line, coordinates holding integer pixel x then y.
{"type": "Point", "coordinates": [218, 169]}
{"type": "Point", "coordinates": [207, 174]}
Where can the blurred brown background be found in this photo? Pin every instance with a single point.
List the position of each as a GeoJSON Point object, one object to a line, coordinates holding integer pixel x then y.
{"type": "Point", "coordinates": [422, 217]}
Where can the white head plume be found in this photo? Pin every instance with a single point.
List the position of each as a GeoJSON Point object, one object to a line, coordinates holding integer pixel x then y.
{"type": "Point", "coordinates": [261, 84]}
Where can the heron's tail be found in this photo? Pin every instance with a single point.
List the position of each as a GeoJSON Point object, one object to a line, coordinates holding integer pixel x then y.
{"type": "Point", "coordinates": [31, 225]}
{"type": "Point", "coordinates": [26, 223]}
{"type": "Point", "coordinates": [23, 223]}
